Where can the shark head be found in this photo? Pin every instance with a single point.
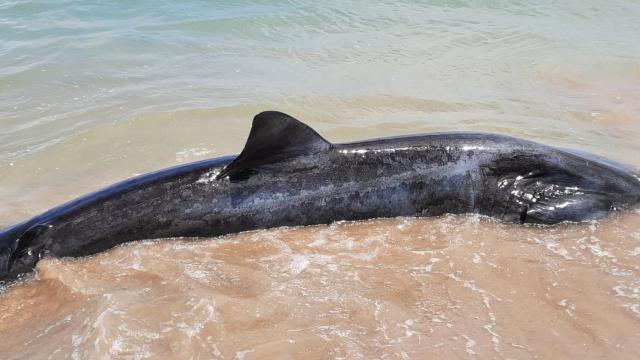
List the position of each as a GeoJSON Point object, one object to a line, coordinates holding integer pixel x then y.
{"type": "Point", "coordinates": [21, 247]}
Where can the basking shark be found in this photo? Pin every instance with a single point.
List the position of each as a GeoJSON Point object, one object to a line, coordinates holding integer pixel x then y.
{"type": "Point", "coordinates": [287, 174]}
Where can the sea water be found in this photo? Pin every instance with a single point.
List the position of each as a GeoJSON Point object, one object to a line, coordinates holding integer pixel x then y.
{"type": "Point", "coordinates": [92, 92]}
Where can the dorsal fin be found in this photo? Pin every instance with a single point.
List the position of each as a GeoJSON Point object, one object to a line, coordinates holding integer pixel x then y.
{"type": "Point", "coordinates": [275, 137]}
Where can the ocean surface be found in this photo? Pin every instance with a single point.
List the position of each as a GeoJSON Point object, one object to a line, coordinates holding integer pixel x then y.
{"type": "Point", "coordinates": [92, 92]}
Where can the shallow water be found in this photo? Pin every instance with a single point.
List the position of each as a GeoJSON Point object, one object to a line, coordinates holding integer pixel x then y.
{"type": "Point", "coordinates": [94, 92]}
{"type": "Point", "coordinates": [454, 286]}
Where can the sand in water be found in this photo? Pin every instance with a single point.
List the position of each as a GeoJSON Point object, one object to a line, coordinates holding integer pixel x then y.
{"type": "Point", "coordinates": [404, 288]}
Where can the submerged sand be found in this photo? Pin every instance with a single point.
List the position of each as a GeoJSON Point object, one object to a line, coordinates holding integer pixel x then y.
{"type": "Point", "coordinates": [404, 288]}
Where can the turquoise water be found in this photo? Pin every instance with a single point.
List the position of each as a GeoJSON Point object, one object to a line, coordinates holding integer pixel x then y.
{"type": "Point", "coordinates": [179, 80]}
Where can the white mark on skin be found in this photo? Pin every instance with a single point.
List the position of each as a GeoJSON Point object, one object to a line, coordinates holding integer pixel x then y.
{"type": "Point", "coordinates": [209, 177]}
{"type": "Point", "coordinates": [365, 151]}
{"type": "Point", "coordinates": [417, 148]}
{"type": "Point", "coordinates": [472, 147]}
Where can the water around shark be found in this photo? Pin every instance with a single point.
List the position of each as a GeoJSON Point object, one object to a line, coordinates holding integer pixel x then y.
{"type": "Point", "coordinates": [288, 174]}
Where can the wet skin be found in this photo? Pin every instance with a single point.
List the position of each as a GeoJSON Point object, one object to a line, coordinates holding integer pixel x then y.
{"type": "Point", "coordinates": [289, 175]}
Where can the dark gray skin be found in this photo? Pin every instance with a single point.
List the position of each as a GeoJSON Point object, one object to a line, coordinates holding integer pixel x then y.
{"type": "Point", "coordinates": [289, 175]}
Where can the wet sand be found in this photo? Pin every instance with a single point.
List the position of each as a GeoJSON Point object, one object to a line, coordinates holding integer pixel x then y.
{"type": "Point", "coordinates": [449, 287]}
